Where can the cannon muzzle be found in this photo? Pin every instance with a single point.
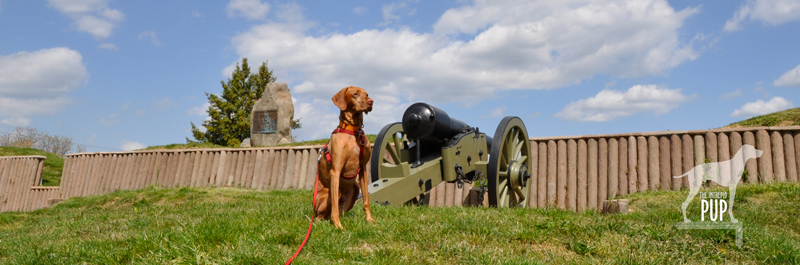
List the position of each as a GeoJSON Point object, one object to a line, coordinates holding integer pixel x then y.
{"type": "Point", "coordinates": [425, 122]}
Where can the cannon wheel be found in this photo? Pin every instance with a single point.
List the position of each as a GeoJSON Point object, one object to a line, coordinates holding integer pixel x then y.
{"type": "Point", "coordinates": [386, 151]}
{"type": "Point", "coordinates": [508, 178]}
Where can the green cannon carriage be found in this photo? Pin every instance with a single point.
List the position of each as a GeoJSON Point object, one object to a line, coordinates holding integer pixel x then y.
{"type": "Point", "coordinates": [428, 147]}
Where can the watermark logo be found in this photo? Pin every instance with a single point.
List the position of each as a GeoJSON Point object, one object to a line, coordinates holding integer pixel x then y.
{"type": "Point", "coordinates": [715, 205]}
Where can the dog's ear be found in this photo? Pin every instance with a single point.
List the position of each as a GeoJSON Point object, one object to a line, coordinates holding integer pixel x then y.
{"type": "Point", "coordinates": [340, 99]}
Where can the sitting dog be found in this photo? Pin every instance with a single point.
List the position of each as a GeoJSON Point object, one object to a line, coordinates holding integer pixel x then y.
{"type": "Point", "coordinates": [725, 173]}
{"type": "Point", "coordinates": [343, 161]}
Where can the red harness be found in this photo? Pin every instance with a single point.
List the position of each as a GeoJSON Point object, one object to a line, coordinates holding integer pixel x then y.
{"type": "Point", "coordinates": [361, 140]}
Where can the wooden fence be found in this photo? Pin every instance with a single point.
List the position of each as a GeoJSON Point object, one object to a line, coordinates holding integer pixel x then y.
{"type": "Point", "coordinates": [575, 173]}
{"type": "Point", "coordinates": [18, 177]}
{"type": "Point", "coordinates": [579, 172]}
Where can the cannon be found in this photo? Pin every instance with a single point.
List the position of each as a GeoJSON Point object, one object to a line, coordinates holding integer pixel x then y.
{"type": "Point", "coordinates": [413, 156]}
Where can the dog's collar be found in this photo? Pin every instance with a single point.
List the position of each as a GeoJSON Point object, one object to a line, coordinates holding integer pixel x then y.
{"type": "Point", "coordinates": [349, 127]}
{"type": "Point", "coordinates": [357, 132]}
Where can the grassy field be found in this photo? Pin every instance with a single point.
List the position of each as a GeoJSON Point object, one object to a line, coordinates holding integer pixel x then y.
{"type": "Point", "coordinates": [51, 173]}
{"type": "Point", "coordinates": [780, 118]}
{"type": "Point", "coordinates": [235, 226]}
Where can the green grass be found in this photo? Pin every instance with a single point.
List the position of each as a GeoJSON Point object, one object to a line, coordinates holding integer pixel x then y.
{"type": "Point", "coordinates": [185, 146]}
{"type": "Point", "coordinates": [235, 226]}
{"type": "Point", "coordinates": [371, 138]}
{"type": "Point", "coordinates": [781, 118]}
{"type": "Point", "coordinates": [51, 173]}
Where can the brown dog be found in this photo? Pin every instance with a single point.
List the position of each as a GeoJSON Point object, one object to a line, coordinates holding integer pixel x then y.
{"type": "Point", "coordinates": [349, 153]}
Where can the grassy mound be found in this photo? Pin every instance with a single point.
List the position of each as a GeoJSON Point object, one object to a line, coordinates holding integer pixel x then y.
{"type": "Point", "coordinates": [371, 138]}
{"type": "Point", "coordinates": [234, 226]}
{"type": "Point", "coordinates": [51, 173]}
{"type": "Point", "coordinates": [782, 118]}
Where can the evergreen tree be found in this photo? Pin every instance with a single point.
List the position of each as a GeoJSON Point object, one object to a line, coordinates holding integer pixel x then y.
{"type": "Point", "coordinates": [229, 122]}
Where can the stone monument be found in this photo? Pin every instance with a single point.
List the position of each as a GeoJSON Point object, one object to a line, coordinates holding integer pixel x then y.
{"type": "Point", "coordinates": [271, 118]}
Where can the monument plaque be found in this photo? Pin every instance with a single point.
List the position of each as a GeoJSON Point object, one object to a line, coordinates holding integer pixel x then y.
{"type": "Point", "coordinates": [271, 117]}
{"type": "Point", "coordinates": [266, 122]}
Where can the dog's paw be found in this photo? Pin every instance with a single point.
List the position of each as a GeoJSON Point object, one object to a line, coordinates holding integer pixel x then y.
{"type": "Point", "coordinates": [370, 220]}
{"type": "Point", "coordinates": [339, 226]}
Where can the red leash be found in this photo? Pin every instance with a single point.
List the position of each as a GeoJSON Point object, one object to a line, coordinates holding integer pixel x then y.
{"type": "Point", "coordinates": [310, 225]}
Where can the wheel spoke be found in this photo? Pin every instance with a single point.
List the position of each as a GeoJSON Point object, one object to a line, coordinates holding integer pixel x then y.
{"type": "Point", "coordinates": [397, 141]}
{"type": "Point", "coordinates": [503, 196]}
{"type": "Point", "coordinates": [503, 173]}
{"type": "Point", "coordinates": [522, 159]}
{"type": "Point", "coordinates": [517, 149]}
{"type": "Point", "coordinates": [520, 194]}
{"type": "Point", "coordinates": [393, 153]}
{"type": "Point", "coordinates": [508, 143]}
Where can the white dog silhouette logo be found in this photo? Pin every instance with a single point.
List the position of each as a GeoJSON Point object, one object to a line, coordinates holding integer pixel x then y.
{"type": "Point", "coordinates": [725, 173]}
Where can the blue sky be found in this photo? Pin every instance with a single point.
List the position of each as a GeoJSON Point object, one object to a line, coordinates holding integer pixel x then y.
{"type": "Point", "coordinates": [120, 75]}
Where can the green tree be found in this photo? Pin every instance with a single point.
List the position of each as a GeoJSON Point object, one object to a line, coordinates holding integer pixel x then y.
{"type": "Point", "coordinates": [229, 113]}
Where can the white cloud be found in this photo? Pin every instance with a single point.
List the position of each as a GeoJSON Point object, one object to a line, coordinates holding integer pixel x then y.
{"type": "Point", "coordinates": [249, 9]}
{"type": "Point", "coordinates": [36, 83]}
{"type": "Point", "coordinates": [772, 12]}
{"type": "Point", "coordinates": [201, 110]}
{"type": "Point", "coordinates": [91, 16]}
{"type": "Point", "coordinates": [731, 95]}
{"type": "Point", "coordinates": [759, 107]}
{"type": "Point", "coordinates": [476, 50]}
{"type": "Point", "coordinates": [16, 122]}
{"type": "Point", "coordinates": [163, 104]}
{"type": "Point", "coordinates": [110, 120]}
{"type": "Point", "coordinates": [389, 11]}
{"type": "Point", "coordinates": [790, 78]}
{"type": "Point", "coordinates": [151, 37]}
{"type": "Point", "coordinates": [497, 112]}
{"type": "Point", "coordinates": [611, 104]}
{"type": "Point", "coordinates": [130, 146]}
{"type": "Point", "coordinates": [108, 46]}
{"type": "Point", "coordinates": [359, 10]}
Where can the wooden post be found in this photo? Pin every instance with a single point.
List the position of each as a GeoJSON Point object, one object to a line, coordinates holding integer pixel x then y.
{"type": "Point", "coordinates": [602, 172]}
{"type": "Point", "coordinates": [623, 166]}
{"type": "Point", "coordinates": [643, 170]}
{"type": "Point", "coordinates": [751, 165]}
{"type": "Point", "coordinates": [765, 161]}
{"type": "Point", "coordinates": [613, 169]}
{"type": "Point", "coordinates": [724, 154]}
{"type": "Point", "coordinates": [552, 178]}
{"type": "Point", "coordinates": [665, 167]}
{"type": "Point", "coordinates": [633, 165]}
{"type": "Point", "coordinates": [591, 195]}
{"type": "Point", "coordinates": [534, 171]}
{"type": "Point", "coordinates": [561, 186]}
{"type": "Point", "coordinates": [688, 157]}
{"type": "Point", "coordinates": [582, 175]}
{"type": "Point", "coordinates": [653, 163]}
{"type": "Point", "coordinates": [543, 176]}
{"type": "Point", "coordinates": [572, 175]}
{"type": "Point", "coordinates": [711, 151]}
{"type": "Point", "coordinates": [791, 161]}
{"type": "Point", "coordinates": [699, 154]}
{"type": "Point", "coordinates": [778, 162]}
{"type": "Point", "coordinates": [677, 161]}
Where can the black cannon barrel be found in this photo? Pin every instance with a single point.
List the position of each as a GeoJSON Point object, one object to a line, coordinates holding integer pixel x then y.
{"type": "Point", "coordinates": [426, 122]}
